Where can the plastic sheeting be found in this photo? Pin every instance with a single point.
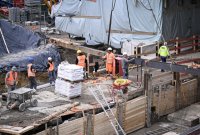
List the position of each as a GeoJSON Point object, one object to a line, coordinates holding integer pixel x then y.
{"type": "Point", "coordinates": [40, 56]}
{"type": "Point", "coordinates": [94, 30]}
{"type": "Point", "coordinates": [17, 38]}
{"type": "Point", "coordinates": [181, 19]}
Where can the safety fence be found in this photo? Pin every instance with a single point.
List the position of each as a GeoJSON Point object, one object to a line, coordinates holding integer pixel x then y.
{"type": "Point", "coordinates": [178, 46]}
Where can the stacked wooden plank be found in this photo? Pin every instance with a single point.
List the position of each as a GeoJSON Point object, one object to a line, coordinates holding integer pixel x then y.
{"type": "Point", "coordinates": [135, 114]}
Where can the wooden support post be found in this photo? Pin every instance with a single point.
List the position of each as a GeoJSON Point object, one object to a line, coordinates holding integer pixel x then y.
{"type": "Point", "coordinates": [159, 99]}
{"type": "Point", "coordinates": [198, 89]}
{"type": "Point", "coordinates": [177, 45]}
{"type": "Point", "coordinates": [89, 126]}
{"type": "Point", "coordinates": [149, 91]}
{"type": "Point", "coordinates": [46, 132]}
{"type": "Point", "coordinates": [89, 60]}
{"type": "Point", "coordinates": [195, 42]}
{"type": "Point", "coordinates": [135, 51]}
{"type": "Point", "coordinates": [159, 44]}
{"type": "Point", "coordinates": [139, 51]}
{"type": "Point", "coordinates": [177, 84]}
{"type": "Point", "coordinates": [121, 113]}
{"type": "Point", "coordinates": [88, 63]}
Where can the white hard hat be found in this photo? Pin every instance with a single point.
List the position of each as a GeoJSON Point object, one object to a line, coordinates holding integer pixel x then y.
{"type": "Point", "coordinates": [109, 49]}
{"type": "Point", "coordinates": [78, 51]}
{"type": "Point", "coordinates": [49, 58]}
{"type": "Point", "coordinates": [165, 43]}
{"type": "Point", "coordinates": [125, 53]}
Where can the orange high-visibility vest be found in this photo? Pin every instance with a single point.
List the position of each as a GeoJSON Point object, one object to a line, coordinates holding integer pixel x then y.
{"type": "Point", "coordinates": [12, 78]}
{"type": "Point", "coordinates": [51, 67]}
{"type": "Point", "coordinates": [110, 58]}
{"type": "Point", "coordinates": [81, 60]}
{"type": "Point", "coordinates": [30, 73]}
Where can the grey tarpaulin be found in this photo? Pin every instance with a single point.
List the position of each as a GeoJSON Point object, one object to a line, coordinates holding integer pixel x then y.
{"type": "Point", "coordinates": [40, 56]}
{"type": "Point", "coordinates": [94, 30]}
{"type": "Point", "coordinates": [181, 18]}
{"type": "Point", "coordinates": [17, 38]}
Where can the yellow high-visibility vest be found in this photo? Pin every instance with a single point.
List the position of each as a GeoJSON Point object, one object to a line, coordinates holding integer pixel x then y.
{"type": "Point", "coordinates": [163, 51]}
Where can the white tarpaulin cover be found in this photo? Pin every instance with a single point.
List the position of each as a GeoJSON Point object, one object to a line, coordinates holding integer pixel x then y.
{"type": "Point", "coordinates": [128, 15]}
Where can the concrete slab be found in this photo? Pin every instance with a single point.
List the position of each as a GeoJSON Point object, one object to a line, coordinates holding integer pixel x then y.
{"type": "Point", "coordinates": [188, 116]}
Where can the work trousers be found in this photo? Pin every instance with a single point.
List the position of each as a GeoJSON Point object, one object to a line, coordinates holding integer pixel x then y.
{"type": "Point", "coordinates": [10, 88]}
{"type": "Point", "coordinates": [32, 82]}
{"type": "Point", "coordinates": [163, 59]}
{"type": "Point", "coordinates": [52, 76]}
{"type": "Point", "coordinates": [125, 73]}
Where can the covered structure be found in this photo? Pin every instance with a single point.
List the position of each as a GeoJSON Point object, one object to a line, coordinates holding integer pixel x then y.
{"type": "Point", "coordinates": [119, 21]}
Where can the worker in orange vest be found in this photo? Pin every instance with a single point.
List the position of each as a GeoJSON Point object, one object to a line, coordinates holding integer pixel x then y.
{"type": "Point", "coordinates": [81, 60]}
{"type": "Point", "coordinates": [110, 62]}
{"type": "Point", "coordinates": [51, 71]}
{"type": "Point", "coordinates": [31, 74]}
{"type": "Point", "coordinates": [11, 81]}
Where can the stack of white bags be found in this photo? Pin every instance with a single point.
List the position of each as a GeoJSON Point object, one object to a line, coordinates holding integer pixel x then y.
{"type": "Point", "coordinates": [69, 80]}
{"type": "Point", "coordinates": [70, 72]}
{"type": "Point", "coordinates": [68, 89]}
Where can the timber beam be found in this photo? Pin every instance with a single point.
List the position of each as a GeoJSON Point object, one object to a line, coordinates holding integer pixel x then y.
{"type": "Point", "coordinates": [167, 66]}
{"type": "Point", "coordinates": [76, 46]}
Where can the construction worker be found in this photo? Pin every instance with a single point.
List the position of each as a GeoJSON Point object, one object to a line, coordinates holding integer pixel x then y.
{"type": "Point", "coordinates": [81, 60]}
{"type": "Point", "coordinates": [31, 74]}
{"type": "Point", "coordinates": [51, 71]}
{"type": "Point", "coordinates": [110, 62]}
{"type": "Point", "coordinates": [125, 64]}
{"type": "Point", "coordinates": [163, 52]}
{"type": "Point", "coordinates": [11, 81]}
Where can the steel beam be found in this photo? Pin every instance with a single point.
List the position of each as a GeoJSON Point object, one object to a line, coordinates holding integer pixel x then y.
{"type": "Point", "coordinates": [167, 66]}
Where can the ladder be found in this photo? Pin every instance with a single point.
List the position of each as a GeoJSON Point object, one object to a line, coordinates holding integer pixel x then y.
{"type": "Point", "coordinates": [99, 96]}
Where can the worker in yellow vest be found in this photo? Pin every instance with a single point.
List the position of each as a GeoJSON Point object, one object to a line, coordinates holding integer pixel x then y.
{"type": "Point", "coordinates": [51, 71]}
{"type": "Point", "coordinates": [31, 74]}
{"type": "Point", "coordinates": [163, 52]}
{"type": "Point", "coordinates": [81, 60]}
{"type": "Point", "coordinates": [110, 62]}
{"type": "Point", "coordinates": [11, 81]}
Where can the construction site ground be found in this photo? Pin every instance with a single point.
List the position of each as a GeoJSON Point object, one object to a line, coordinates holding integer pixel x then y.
{"type": "Point", "coordinates": [50, 102]}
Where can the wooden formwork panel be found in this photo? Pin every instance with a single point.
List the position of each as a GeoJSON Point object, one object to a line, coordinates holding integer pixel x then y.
{"type": "Point", "coordinates": [135, 119]}
{"type": "Point", "coordinates": [165, 101]}
{"type": "Point", "coordinates": [188, 93]}
{"type": "Point", "coordinates": [135, 114]}
{"type": "Point", "coordinates": [102, 125]}
{"type": "Point", "coordinates": [74, 127]}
